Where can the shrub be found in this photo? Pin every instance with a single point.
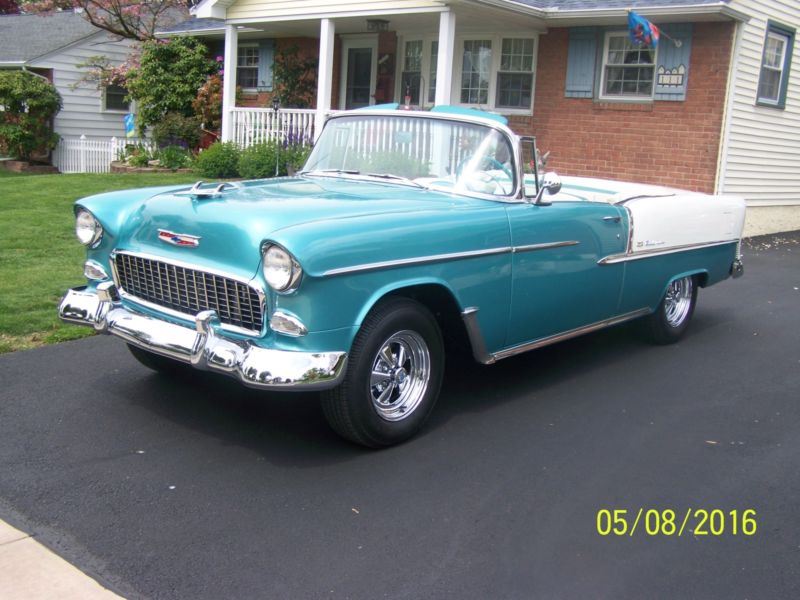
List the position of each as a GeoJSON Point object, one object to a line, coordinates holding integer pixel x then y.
{"type": "Point", "coordinates": [296, 156]}
{"type": "Point", "coordinates": [29, 104]}
{"type": "Point", "coordinates": [173, 157]}
{"type": "Point", "coordinates": [295, 77]}
{"type": "Point", "coordinates": [207, 105]}
{"type": "Point", "coordinates": [176, 129]}
{"type": "Point", "coordinates": [220, 159]}
{"type": "Point", "coordinates": [168, 77]}
{"type": "Point", "coordinates": [258, 161]}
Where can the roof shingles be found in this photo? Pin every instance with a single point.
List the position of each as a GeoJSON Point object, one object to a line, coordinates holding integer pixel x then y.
{"type": "Point", "coordinates": [25, 37]}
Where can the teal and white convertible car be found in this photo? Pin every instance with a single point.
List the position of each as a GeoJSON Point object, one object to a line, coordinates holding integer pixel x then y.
{"type": "Point", "coordinates": [408, 235]}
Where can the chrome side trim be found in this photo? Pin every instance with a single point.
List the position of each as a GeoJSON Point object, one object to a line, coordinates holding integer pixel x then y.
{"type": "Point", "coordinates": [618, 258]}
{"type": "Point", "coordinates": [559, 337]}
{"type": "Point", "coordinates": [434, 258]}
{"type": "Point", "coordinates": [262, 297]}
{"type": "Point", "coordinates": [203, 346]}
{"type": "Point", "coordinates": [419, 260]}
{"type": "Point", "coordinates": [547, 246]}
{"type": "Point", "coordinates": [479, 352]}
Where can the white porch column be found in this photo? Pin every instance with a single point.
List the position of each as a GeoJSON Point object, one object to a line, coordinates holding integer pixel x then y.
{"type": "Point", "coordinates": [229, 81]}
{"type": "Point", "coordinates": [327, 30]}
{"type": "Point", "coordinates": [444, 62]}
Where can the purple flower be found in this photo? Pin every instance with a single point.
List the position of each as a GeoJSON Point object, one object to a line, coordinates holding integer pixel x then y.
{"type": "Point", "coordinates": [220, 59]}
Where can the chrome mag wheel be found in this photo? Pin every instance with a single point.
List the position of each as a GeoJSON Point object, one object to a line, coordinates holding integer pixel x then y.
{"type": "Point", "coordinates": [678, 301]}
{"type": "Point", "coordinates": [400, 374]}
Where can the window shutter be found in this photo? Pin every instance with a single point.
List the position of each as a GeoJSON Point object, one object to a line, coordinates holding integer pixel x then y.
{"type": "Point", "coordinates": [672, 69]}
{"type": "Point", "coordinates": [581, 60]}
{"type": "Point", "coordinates": [266, 56]}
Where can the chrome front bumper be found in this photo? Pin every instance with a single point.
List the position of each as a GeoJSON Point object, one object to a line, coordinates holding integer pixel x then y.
{"type": "Point", "coordinates": [203, 347]}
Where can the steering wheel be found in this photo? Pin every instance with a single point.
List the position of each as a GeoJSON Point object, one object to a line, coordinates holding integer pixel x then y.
{"type": "Point", "coordinates": [496, 163]}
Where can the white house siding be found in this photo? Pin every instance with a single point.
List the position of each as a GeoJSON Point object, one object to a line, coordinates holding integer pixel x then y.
{"type": "Point", "coordinates": [83, 112]}
{"type": "Point", "coordinates": [298, 9]}
{"type": "Point", "coordinates": [761, 157]}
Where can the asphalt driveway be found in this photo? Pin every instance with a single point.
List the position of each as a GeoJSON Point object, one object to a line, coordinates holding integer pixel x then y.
{"type": "Point", "coordinates": [195, 488]}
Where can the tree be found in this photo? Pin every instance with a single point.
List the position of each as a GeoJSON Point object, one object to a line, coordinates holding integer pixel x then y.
{"type": "Point", "coordinates": [29, 104]}
{"type": "Point", "coordinates": [132, 19]}
{"type": "Point", "coordinates": [168, 77]}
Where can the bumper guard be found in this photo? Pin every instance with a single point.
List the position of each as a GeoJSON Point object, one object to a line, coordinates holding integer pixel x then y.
{"type": "Point", "coordinates": [203, 347]}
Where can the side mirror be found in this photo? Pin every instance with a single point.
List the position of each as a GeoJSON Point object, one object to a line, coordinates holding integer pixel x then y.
{"type": "Point", "coordinates": [550, 186]}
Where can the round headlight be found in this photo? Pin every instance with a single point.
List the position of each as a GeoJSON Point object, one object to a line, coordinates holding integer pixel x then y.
{"type": "Point", "coordinates": [280, 269]}
{"type": "Point", "coordinates": [87, 228]}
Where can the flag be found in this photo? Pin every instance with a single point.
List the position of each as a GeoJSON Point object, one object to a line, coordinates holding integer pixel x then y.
{"type": "Point", "coordinates": [642, 31]}
{"type": "Point", "coordinates": [130, 125]}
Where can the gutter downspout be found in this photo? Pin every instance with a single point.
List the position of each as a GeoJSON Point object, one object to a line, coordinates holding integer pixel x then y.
{"type": "Point", "coordinates": [727, 117]}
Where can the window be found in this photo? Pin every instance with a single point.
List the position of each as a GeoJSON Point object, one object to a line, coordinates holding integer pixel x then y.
{"type": "Point", "coordinates": [489, 71]}
{"type": "Point", "coordinates": [628, 69]}
{"type": "Point", "coordinates": [476, 71]}
{"type": "Point", "coordinates": [115, 98]}
{"type": "Point", "coordinates": [515, 78]}
{"type": "Point", "coordinates": [247, 67]}
{"type": "Point", "coordinates": [432, 78]}
{"type": "Point", "coordinates": [412, 71]}
{"type": "Point", "coordinates": [775, 64]}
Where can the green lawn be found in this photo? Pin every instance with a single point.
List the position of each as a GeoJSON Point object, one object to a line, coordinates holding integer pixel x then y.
{"type": "Point", "coordinates": [39, 254]}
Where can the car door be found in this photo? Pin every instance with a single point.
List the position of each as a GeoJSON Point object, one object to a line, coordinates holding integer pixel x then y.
{"type": "Point", "coordinates": [557, 282]}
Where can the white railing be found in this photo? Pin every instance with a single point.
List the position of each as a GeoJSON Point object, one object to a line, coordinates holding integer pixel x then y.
{"type": "Point", "coordinates": [257, 125]}
{"type": "Point", "coordinates": [84, 155]}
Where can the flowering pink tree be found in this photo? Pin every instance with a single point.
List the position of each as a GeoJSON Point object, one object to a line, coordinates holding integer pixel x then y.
{"type": "Point", "coordinates": [131, 19]}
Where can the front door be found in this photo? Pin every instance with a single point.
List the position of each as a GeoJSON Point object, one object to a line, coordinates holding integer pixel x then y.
{"type": "Point", "coordinates": [359, 66]}
{"type": "Point", "coordinates": [558, 283]}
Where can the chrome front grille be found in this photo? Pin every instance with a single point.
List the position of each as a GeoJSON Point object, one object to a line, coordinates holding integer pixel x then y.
{"type": "Point", "coordinates": [189, 291]}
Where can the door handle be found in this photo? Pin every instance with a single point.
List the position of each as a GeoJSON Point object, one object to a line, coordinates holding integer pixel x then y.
{"type": "Point", "coordinates": [612, 219]}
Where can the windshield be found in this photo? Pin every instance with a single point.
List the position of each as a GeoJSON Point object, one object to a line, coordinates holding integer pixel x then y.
{"type": "Point", "coordinates": [425, 152]}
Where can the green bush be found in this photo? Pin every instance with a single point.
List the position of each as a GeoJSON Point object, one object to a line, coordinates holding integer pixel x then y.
{"type": "Point", "coordinates": [220, 159]}
{"type": "Point", "coordinates": [29, 104]}
{"type": "Point", "coordinates": [258, 161]}
{"type": "Point", "coordinates": [173, 157]}
{"type": "Point", "coordinates": [176, 129]}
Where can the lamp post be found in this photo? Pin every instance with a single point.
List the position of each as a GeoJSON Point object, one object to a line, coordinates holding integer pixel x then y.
{"type": "Point", "coordinates": [276, 105]}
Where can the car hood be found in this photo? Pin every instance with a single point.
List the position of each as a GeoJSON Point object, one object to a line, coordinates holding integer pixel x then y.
{"type": "Point", "coordinates": [232, 225]}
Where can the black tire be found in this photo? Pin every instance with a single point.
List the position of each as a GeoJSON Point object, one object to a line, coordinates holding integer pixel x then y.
{"type": "Point", "coordinates": [358, 409]}
{"type": "Point", "coordinates": [156, 362]}
{"type": "Point", "coordinates": [671, 319]}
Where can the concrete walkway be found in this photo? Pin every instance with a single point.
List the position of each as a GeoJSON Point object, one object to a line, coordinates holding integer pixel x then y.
{"type": "Point", "coordinates": [29, 571]}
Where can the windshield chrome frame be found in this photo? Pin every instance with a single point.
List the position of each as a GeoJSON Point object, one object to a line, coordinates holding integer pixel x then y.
{"type": "Point", "coordinates": [515, 197]}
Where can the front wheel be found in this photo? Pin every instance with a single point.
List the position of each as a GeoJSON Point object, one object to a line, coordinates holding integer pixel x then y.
{"type": "Point", "coordinates": [393, 376]}
{"type": "Point", "coordinates": [671, 319]}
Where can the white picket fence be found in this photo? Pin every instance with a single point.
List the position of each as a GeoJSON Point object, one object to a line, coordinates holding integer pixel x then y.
{"type": "Point", "coordinates": [84, 155]}
{"type": "Point", "coordinates": [256, 125]}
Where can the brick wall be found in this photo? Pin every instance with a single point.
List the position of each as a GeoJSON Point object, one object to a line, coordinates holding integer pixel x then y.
{"type": "Point", "coordinates": [668, 143]}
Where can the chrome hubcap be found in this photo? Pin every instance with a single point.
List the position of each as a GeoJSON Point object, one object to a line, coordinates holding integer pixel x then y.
{"type": "Point", "coordinates": [678, 301]}
{"type": "Point", "coordinates": [400, 374]}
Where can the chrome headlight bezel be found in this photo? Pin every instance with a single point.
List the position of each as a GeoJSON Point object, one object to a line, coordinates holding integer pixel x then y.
{"type": "Point", "coordinates": [87, 223]}
{"type": "Point", "coordinates": [280, 268]}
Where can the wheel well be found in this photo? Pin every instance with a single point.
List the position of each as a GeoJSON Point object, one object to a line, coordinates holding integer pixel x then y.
{"type": "Point", "coordinates": [445, 309]}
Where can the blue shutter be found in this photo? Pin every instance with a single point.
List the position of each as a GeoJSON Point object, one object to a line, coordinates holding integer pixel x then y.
{"type": "Point", "coordinates": [266, 56]}
{"type": "Point", "coordinates": [672, 70]}
{"type": "Point", "coordinates": [581, 59]}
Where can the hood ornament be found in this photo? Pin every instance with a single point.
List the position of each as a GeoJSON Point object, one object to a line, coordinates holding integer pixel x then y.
{"type": "Point", "coordinates": [178, 239]}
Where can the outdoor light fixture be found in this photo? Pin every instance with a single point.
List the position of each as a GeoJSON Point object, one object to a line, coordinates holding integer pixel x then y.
{"type": "Point", "coordinates": [377, 25]}
{"type": "Point", "coordinates": [276, 105]}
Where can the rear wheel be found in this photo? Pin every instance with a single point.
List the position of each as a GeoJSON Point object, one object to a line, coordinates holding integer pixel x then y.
{"type": "Point", "coordinates": [156, 362]}
{"type": "Point", "coordinates": [671, 319]}
{"type": "Point", "coordinates": [393, 376]}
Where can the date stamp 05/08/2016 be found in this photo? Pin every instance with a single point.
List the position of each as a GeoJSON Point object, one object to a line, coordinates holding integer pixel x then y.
{"type": "Point", "coordinates": [668, 522]}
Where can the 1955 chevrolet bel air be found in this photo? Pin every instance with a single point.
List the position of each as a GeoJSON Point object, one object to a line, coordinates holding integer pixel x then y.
{"type": "Point", "coordinates": [405, 234]}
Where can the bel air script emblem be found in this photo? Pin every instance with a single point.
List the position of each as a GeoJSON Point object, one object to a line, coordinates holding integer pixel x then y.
{"type": "Point", "coordinates": [178, 239]}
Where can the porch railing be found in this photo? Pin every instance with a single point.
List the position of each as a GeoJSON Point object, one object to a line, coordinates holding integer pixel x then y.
{"type": "Point", "coordinates": [257, 125]}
